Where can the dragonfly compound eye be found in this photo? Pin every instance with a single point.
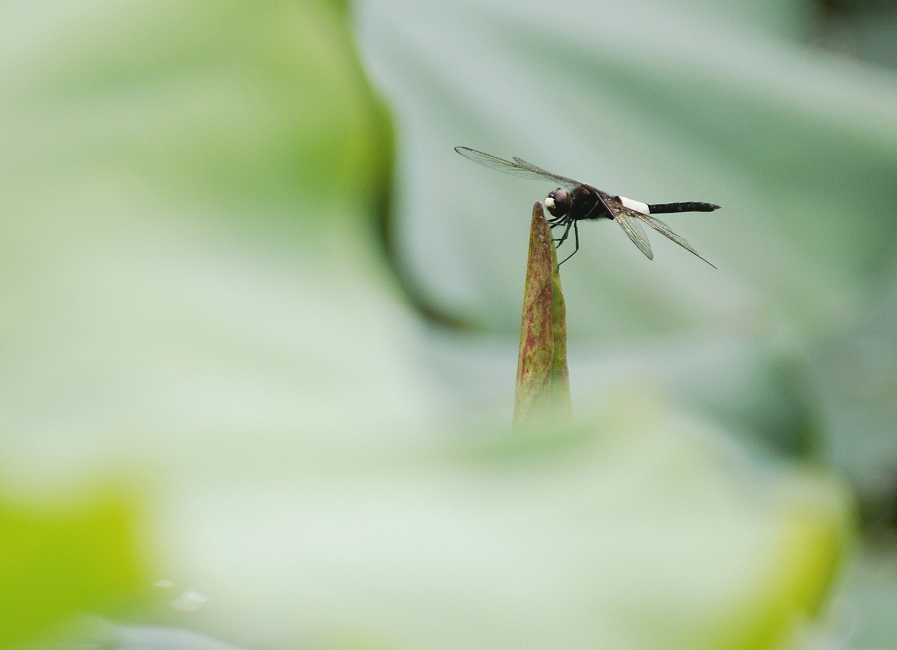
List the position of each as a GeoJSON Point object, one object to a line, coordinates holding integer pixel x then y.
{"type": "Point", "coordinates": [558, 203]}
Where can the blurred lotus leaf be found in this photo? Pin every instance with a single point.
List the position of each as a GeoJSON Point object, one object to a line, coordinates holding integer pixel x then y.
{"type": "Point", "coordinates": [58, 562]}
{"type": "Point", "coordinates": [197, 292]}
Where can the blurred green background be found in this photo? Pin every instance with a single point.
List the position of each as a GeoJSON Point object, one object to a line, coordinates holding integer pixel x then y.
{"type": "Point", "coordinates": [259, 325]}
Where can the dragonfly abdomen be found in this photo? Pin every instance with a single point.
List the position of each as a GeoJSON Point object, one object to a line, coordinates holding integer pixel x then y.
{"type": "Point", "coordinates": [689, 206]}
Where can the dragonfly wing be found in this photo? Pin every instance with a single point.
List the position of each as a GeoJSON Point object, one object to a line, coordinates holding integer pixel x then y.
{"type": "Point", "coordinates": [563, 181]}
{"type": "Point", "coordinates": [505, 166]}
{"type": "Point", "coordinates": [664, 230]}
{"type": "Point", "coordinates": [628, 220]}
{"type": "Point", "coordinates": [633, 228]}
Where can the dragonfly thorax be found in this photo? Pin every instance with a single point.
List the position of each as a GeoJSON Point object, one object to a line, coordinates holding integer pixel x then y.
{"type": "Point", "coordinates": [558, 202]}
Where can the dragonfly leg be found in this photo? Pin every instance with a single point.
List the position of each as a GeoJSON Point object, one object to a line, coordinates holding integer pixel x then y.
{"type": "Point", "coordinates": [563, 237]}
{"type": "Point", "coordinates": [576, 239]}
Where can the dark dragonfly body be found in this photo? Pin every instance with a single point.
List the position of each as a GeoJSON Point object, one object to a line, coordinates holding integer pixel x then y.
{"type": "Point", "coordinates": [575, 201]}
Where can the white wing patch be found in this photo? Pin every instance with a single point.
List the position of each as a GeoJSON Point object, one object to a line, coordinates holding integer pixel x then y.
{"type": "Point", "coordinates": [632, 204]}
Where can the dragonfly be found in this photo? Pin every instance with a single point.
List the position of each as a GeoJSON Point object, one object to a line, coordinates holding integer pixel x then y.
{"type": "Point", "coordinates": [574, 201]}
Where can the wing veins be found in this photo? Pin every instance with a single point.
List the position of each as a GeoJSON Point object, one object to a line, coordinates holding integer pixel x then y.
{"type": "Point", "coordinates": [636, 233]}
{"type": "Point", "coordinates": [519, 168]}
{"type": "Point", "coordinates": [665, 230]}
{"type": "Point", "coordinates": [569, 183]}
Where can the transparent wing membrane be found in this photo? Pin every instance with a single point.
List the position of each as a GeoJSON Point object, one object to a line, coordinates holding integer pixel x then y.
{"type": "Point", "coordinates": [664, 230]}
{"type": "Point", "coordinates": [633, 228]}
{"type": "Point", "coordinates": [563, 181]}
{"type": "Point", "coordinates": [520, 168]}
{"type": "Point", "coordinates": [629, 222]}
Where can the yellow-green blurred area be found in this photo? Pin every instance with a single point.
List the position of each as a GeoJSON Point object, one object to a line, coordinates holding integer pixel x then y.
{"type": "Point", "coordinates": [56, 561]}
{"type": "Point", "coordinates": [245, 279]}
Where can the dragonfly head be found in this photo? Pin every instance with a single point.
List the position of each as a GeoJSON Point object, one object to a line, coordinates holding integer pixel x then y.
{"type": "Point", "coordinates": [558, 202]}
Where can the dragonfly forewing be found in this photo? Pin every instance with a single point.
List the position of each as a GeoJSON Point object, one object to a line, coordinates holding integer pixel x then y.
{"type": "Point", "coordinates": [563, 181]}
{"type": "Point", "coordinates": [506, 166]}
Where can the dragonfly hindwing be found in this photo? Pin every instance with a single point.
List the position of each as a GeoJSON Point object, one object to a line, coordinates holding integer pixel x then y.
{"type": "Point", "coordinates": [633, 228]}
{"type": "Point", "coordinates": [664, 230]}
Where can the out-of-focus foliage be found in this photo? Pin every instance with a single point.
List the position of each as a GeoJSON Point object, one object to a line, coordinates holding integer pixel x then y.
{"type": "Point", "coordinates": [866, 29]}
{"type": "Point", "coordinates": [214, 100]}
{"type": "Point", "coordinates": [184, 242]}
{"type": "Point", "coordinates": [58, 562]}
{"type": "Point", "coordinates": [666, 101]}
{"type": "Point", "coordinates": [754, 107]}
{"type": "Point", "coordinates": [637, 529]}
{"type": "Point", "coordinates": [195, 295]}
